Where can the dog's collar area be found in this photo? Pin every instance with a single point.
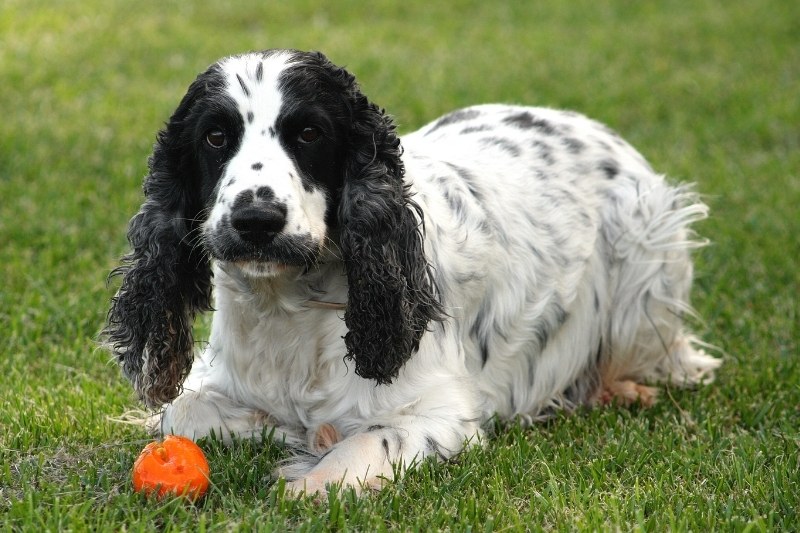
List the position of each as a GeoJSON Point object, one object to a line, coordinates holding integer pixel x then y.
{"type": "Point", "coordinates": [312, 303]}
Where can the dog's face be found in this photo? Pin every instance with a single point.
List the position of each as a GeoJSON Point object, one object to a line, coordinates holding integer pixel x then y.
{"type": "Point", "coordinates": [268, 134]}
{"type": "Point", "coordinates": [268, 156]}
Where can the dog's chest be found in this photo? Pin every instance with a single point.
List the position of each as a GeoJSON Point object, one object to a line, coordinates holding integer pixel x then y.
{"type": "Point", "coordinates": [288, 363]}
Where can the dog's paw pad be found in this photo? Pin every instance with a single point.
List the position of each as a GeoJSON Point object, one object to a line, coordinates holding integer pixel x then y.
{"type": "Point", "coordinates": [626, 392]}
{"type": "Point", "coordinates": [324, 437]}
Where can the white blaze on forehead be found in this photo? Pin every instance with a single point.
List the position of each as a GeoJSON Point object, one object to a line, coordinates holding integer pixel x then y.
{"type": "Point", "coordinates": [252, 82]}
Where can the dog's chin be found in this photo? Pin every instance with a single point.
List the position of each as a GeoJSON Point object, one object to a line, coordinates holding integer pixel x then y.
{"type": "Point", "coordinates": [264, 269]}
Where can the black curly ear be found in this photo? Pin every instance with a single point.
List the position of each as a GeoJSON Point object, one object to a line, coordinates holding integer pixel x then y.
{"type": "Point", "coordinates": [391, 292]}
{"type": "Point", "coordinates": [165, 279]}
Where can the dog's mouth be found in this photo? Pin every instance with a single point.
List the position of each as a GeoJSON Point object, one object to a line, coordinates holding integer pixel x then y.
{"type": "Point", "coordinates": [282, 254]}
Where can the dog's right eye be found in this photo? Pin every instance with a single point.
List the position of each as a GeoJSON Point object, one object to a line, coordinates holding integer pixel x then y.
{"type": "Point", "coordinates": [215, 138]}
{"type": "Point", "coordinates": [309, 135]}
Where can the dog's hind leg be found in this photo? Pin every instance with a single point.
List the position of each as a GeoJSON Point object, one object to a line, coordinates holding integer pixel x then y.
{"type": "Point", "coordinates": [650, 243]}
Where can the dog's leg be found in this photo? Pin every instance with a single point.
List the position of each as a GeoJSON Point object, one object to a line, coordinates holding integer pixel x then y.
{"type": "Point", "coordinates": [653, 270]}
{"type": "Point", "coordinates": [684, 366]}
{"type": "Point", "coordinates": [371, 457]}
{"type": "Point", "coordinates": [197, 413]}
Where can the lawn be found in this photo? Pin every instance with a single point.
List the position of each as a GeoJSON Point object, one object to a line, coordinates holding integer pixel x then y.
{"type": "Point", "coordinates": [708, 90]}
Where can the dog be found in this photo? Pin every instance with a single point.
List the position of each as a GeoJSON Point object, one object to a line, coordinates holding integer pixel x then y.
{"type": "Point", "coordinates": [377, 299]}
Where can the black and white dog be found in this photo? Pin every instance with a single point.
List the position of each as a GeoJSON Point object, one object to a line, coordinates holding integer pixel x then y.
{"type": "Point", "coordinates": [376, 299]}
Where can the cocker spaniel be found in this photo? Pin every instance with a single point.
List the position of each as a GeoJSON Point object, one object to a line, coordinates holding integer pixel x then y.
{"type": "Point", "coordinates": [378, 299]}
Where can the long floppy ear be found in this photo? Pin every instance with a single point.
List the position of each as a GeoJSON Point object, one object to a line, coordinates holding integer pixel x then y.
{"type": "Point", "coordinates": [165, 279]}
{"type": "Point", "coordinates": [391, 291]}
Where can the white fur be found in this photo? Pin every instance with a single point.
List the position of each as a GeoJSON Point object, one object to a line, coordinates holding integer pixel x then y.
{"type": "Point", "coordinates": [568, 280]}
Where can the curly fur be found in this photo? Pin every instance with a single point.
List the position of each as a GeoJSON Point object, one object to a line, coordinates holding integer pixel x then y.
{"type": "Point", "coordinates": [166, 281]}
{"type": "Point", "coordinates": [390, 284]}
{"type": "Point", "coordinates": [501, 261]}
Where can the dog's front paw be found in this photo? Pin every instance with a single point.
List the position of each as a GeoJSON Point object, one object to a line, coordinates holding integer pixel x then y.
{"type": "Point", "coordinates": [311, 487]}
{"type": "Point", "coordinates": [318, 484]}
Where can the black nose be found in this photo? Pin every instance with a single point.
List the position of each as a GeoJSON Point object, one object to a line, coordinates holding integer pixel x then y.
{"type": "Point", "coordinates": [259, 225]}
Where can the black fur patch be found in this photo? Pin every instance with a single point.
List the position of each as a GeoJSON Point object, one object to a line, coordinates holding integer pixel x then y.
{"type": "Point", "coordinates": [481, 331]}
{"type": "Point", "coordinates": [573, 145]}
{"type": "Point", "coordinates": [243, 199]}
{"type": "Point", "coordinates": [609, 167]}
{"type": "Point", "coordinates": [552, 319]}
{"type": "Point", "coordinates": [385, 444]}
{"type": "Point", "coordinates": [265, 194]}
{"type": "Point", "coordinates": [476, 129]}
{"type": "Point", "coordinates": [243, 85]}
{"type": "Point", "coordinates": [434, 448]}
{"type": "Point", "coordinates": [468, 179]}
{"type": "Point", "coordinates": [504, 144]}
{"type": "Point", "coordinates": [456, 116]}
{"type": "Point", "coordinates": [525, 121]}
{"type": "Point", "coordinates": [544, 151]}
{"type": "Point", "coordinates": [544, 328]}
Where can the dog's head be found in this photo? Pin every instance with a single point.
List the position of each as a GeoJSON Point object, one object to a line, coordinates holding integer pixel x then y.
{"type": "Point", "coordinates": [269, 159]}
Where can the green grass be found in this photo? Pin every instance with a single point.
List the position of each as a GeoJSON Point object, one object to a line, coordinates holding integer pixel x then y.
{"type": "Point", "coordinates": [708, 90]}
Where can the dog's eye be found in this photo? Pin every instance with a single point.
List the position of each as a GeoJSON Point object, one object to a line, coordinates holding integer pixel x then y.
{"type": "Point", "coordinates": [215, 138]}
{"type": "Point", "coordinates": [309, 135]}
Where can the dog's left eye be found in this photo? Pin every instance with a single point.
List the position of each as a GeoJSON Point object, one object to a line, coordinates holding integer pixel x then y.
{"type": "Point", "coordinates": [215, 138]}
{"type": "Point", "coordinates": [309, 135]}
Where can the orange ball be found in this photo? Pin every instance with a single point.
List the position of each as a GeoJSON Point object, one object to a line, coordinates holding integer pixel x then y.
{"type": "Point", "coordinates": [175, 466]}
